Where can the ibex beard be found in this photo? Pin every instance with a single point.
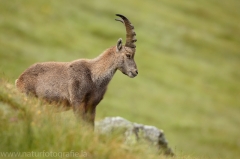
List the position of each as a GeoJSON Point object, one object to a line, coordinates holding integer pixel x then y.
{"type": "Point", "coordinates": [81, 84]}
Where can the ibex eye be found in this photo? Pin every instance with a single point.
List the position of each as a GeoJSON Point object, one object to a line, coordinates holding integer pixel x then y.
{"type": "Point", "coordinates": [128, 56]}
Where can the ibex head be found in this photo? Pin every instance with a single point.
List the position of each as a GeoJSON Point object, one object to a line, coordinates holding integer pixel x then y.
{"type": "Point", "coordinates": [126, 52]}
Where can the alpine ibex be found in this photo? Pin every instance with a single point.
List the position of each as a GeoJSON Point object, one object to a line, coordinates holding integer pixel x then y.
{"type": "Point", "coordinates": [81, 84]}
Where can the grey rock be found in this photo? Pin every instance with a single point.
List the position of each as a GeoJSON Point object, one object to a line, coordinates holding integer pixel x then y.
{"type": "Point", "coordinates": [135, 133]}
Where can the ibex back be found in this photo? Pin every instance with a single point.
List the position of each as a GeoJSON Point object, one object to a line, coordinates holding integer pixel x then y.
{"type": "Point", "coordinates": [81, 84]}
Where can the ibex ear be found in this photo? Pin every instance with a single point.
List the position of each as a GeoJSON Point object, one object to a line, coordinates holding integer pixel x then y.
{"type": "Point", "coordinates": [119, 44]}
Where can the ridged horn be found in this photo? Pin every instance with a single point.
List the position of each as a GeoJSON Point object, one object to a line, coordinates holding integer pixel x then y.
{"type": "Point", "coordinates": [130, 37]}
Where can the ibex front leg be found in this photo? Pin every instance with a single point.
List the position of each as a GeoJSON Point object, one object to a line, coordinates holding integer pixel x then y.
{"type": "Point", "coordinates": [85, 112]}
{"type": "Point", "coordinates": [79, 110]}
{"type": "Point", "coordinates": [90, 115]}
{"type": "Point", "coordinates": [79, 100]}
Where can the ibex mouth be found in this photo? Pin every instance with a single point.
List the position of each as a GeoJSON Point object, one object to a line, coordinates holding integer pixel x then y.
{"type": "Point", "coordinates": [129, 74]}
{"type": "Point", "coordinates": [132, 75]}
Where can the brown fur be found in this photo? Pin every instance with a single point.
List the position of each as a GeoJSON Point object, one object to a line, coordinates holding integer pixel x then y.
{"type": "Point", "coordinates": [80, 84]}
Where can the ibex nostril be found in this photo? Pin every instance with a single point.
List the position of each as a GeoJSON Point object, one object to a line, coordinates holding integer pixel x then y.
{"type": "Point", "coordinates": [136, 71]}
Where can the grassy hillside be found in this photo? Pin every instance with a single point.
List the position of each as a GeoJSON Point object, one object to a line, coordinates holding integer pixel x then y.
{"type": "Point", "coordinates": [32, 129]}
{"type": "Point", "coordinates": [188, 56]}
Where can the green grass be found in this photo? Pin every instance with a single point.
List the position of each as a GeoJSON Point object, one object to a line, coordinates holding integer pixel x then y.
{"type": "Point", "coordinates": [188, 56]}
{"type": "Point", "coordinates": [30, 127]}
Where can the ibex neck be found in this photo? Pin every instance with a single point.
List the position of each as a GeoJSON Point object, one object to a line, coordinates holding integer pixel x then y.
{"type": "Point", "coordinates": [103, 67]}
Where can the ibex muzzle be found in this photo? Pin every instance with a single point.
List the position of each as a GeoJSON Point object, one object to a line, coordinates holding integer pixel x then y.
{"type": "Point", "coordinates": [81, 84]}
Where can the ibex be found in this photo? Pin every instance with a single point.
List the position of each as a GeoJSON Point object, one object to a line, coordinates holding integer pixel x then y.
{"type": "Point", "coordinates": [81, 84]}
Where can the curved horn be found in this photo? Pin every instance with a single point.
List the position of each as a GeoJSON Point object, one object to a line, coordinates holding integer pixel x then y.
{"type": "Point", "coordinates": [130, 37]}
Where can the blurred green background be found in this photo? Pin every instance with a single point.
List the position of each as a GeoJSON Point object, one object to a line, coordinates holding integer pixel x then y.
{"type": "Point", "coordinates": [188, 56]}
